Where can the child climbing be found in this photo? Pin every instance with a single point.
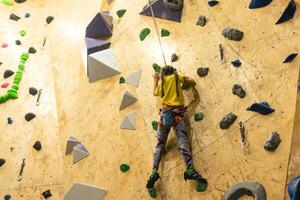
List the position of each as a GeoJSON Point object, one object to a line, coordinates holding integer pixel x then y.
{"type": "Point", "coordinates": [167, 85]}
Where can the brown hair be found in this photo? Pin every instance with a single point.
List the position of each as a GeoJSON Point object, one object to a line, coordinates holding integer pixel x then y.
{"type": "Point", "coordinates": [166, 71]}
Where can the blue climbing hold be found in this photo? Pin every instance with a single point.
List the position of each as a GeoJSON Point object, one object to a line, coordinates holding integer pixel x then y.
{"type": "Point", "coordinates": [288, 13]}
{"type": "Point", "coordinates": [27, 15]}
{"type": "Point", "coordinates": [259, 3]}
{"type": "Point", "coordinates": [294, 188]}
{"type": "Point", "coordinates": [290, 58]}
{"type": "Point", "coordinates": [7, 197]}
{"type": "Point", "coordinates": [261, 108]}
{"type": "Point", "coordinates": [9, 120]}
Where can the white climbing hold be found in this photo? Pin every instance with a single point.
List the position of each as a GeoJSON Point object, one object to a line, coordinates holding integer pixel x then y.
{"type": "Point", "coordinates": [108, 18]}
{"type": "Point", "coordinates": [129, 121]}
{"type": "Point", "coordinates": [79, 191]}
{"type": "Point", "coordinates": [71, 143]}
{"type": "Point", "coordinates": [127, 100]}
{"type": "Point", "coordinates": [79, 153]}
{"type": "Point", "coordinates": [134, 78]}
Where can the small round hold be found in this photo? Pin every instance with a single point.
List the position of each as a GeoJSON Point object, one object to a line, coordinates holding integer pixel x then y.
{"type": "Point", "coordinates": [18, 42]}
{"type": "Point", "coordinates": [27, 15]}
{"type": "Point", "coordinates": [2, 161]}
{"type": "Point", "coordinates": [29, 116]}
{"type": "Point", "coordinates": [7, 197]}
{"type": "Point", "coordinates": [33, 91]}
{"type": "Point", "coordinates": [154, 125]}
{"type": "Point", "coordinates": [37, 145]}
{"type": "Point", "coordinates": [32, 50]}
{"type": "Point", "coordinates": [198, 116]}
{"type": "Point", "coordinates": [124, 167]}
{"type": "Point", "coordinates": [174, 57]}
{"type": "Point", "coordinates": [201, 21]}
{"type": "Point", "coordinates": [122, 80]}
{"type": "Point", "coordinates": [9, 120]}
{"type": "Point", "coordinates": [202, 72]}
{"type": "Point", "coordinates": [49, 19]}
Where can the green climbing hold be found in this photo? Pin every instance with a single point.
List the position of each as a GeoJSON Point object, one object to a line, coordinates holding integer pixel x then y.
{"type": "Point", "coordinates": [124, 167]}
{"type": "Point", "coordinates": [201, 187]}
{"type": "Point", "coordinates": [199, 116]}
{"type": "Point", "coordinates": [21, 67]}
{"type": "Point", "coordinates": [155, 125]}
{"type": "Point", "coordinates": [156, 67]}
{"type": "Point", "coordinates": [185, 86]}
{"type": "Point", "coordinates": [15, 87]}
{"type": "Point", "coordinates": [122, 80]}
{"type": "Point", "coordinates": [152, 192]}
{"type": "Point", "coordinates": [164, 32]}
{"type": "Point", "coordinates": [121, 12]}
{"type": "Point", "coordinates": [23, 33]}
{"type": "Point", "coordinates": [8, 2]}
{"type": "Point", "coordinates": [144, 33]}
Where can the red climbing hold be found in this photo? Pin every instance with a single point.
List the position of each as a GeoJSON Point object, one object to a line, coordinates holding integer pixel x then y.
{"type": "Point", "coordinates": [4, 45]}
{"type": "Point", "coordinates": [5, 85]}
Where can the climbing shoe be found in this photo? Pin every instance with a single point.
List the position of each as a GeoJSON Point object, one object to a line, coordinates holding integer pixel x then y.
{"type": "Point", "coordinates": [152, 179]}
{"type": "Point", "coordinates": [192, 174]}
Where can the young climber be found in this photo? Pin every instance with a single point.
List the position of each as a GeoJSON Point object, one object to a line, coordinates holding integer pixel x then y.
{"type": "Point", "coordinates": [167, 85]}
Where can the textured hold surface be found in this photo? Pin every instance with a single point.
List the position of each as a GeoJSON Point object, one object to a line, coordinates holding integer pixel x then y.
{"type": "Point", "coordinates": [174, 5]}
{"type": "Point", "coordinates": [37, 145]}
{"type": "Point", "coordinates": [288, 13]}
{"type": "Point", "coordinates": [47, 194]}
{"type": "Point", "coordinates": [259, 3]}
{"type": "Point", "coordinates": [239, 91]}
{"type": "Point", "coordinates": [2, 161]}
{"type": "Point", "coordinates": [127, 100]}
{"type": "Point", "coordinates": [236, 63]}
{"type": "Point", "coordinates": [232, 34]}
{"type": "Point", "coordinates": [14, 17]}
{"type": "Point", "coordinates": [228, 120]}
{"type": "Point", "coordinates": [273, 142]}
{"type": "Point", "coordinates": [202, 71]}
{"type": "Point", "coordinates": [49, 19]}
{"type": "Point", "coordinates": [261, 108]}
{"type": "Point", "coordinates": [8, 73]}
{"type": "Point", "coordinates": [174, 57]}
{"type": "Point", "coordinates": [201, 21]}
{"type": "Point", "coordinates": [80, 191]}
{"type": "Point", "coordinates": [290, 58]}
{"type": "Point", "coordinates": [253, 189]}
{"type": "Point", "coordinates": [129, 121]}
{"type": "Point", "coordinates": [144, 33]}
{"type": "Point", "coordinates": [33, 91]}
{"type": "Point", "coordinates": [29, 116]}
{"type": "Point", "coordinates": [32, 50]}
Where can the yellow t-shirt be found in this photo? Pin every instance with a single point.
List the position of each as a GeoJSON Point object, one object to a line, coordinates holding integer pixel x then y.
{"type": "Point", "coordinates": [170, 98]}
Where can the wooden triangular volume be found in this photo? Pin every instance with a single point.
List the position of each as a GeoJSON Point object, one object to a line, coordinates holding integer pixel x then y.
{"type": "Point", "coordinates": [79, 153]}
{"type": "Point", "coordinates": [102, 64]}
{"type": "Point", "coordinates": [71, 143]}
{"type": "Point", "coordinates": [127, 100]}
{"type": "Point", "coordinates": [80, 191]}
{"type": "Point", "coordinates": [134, 78]}
{"type": "Point", "coordinates": [129, 121]}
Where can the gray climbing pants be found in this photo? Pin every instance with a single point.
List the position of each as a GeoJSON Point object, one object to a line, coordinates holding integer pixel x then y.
{"type": "Point", "coordinates": [172, 118]}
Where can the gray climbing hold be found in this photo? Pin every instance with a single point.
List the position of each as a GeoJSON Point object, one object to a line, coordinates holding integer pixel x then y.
{"type": "Point", "coordinates": [129, 121]}
{"type": "Point", "coordinates": [201, 21]}
{"type": "Point", "coordinates": [127, 100]}
{"type": "Point", "coordinates": [71, 143]}
{"type": "Point", "coordinates": [253, 189]}
{"type": "Point", "coordinates": [33, 91]}
{"type": "Point", "coordinates": [49, 19]}
{"type": "Point", "coordinates": [202, 71]}
{"type": "Point", "coordinates": [79, 153]}
{"type": "Point", "coordinates": [228, 120]}
{"type": "Point", "coordinates": [32, 50]}
{"type": "Point", "coordinates": [8, 73]}
{"type": "Point", "coordinates": [29, 116]}
{"type": "Point", "coordinates": [232, 34]}
{"type": "Point", "coordinates": [238, 90]}
{"type": "Point", "coordinates": [134, 78]}
{"type": "Point", "coordinates": [80, 191]}
{"type": "Point", "coordinates": [174, 57]}
{"type": "Point", "coordinates": [18, 42]}
{"type": "Point", "coordinates": [37, 145]}
{"type": "Point", "coordinates": [2, 161]}
{"type": "Point", "coordinates": [47, 194]}
{"type": "Point", "coordinates": [273, 142]}
{"type": "Point", "coordinates": [14, 17]}
{"type": "Point", "coordinates": [175, 5]}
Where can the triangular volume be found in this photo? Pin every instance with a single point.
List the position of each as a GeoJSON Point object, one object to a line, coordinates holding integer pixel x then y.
{"type": "Point", "coordinates": [161, 11]}
{"type": "Point", "coordinates": [93, 45]}
{"type": "Point", "coordinates": [127, 100]}
{"type": "Point", "coordinates": [108, 19]}
{"type": "Point", "coordinates": [129, 121]}
{"type": "Point", "coordinates": [80, 191]}
{"type": "Point", "coordinates": [98, 28]}
{"type": "Point", "coordinates": [134, 78]}
{"type": "Point", "coordinates": [259, 3]}
{"type": "Point", "coordinates": [71, 143]}
{"type": "Point", "coordinates": [288, 12]}
{"type": "Point", "coordinates": [102, 64]}
{"type": "Point", "coordinates": [79, 153]}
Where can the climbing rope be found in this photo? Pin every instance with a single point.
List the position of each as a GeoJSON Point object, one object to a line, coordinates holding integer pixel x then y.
{"type": "Point", "coordinates": [157, 32]}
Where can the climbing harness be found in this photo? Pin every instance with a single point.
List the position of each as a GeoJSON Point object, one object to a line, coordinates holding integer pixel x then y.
{"type": "Point", "coordinates": [244, 142]}
{"type": "Point", "coordinates": [156, 27]}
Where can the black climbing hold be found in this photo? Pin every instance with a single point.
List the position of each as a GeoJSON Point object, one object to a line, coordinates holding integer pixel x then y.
{"type": "Point", "coordinates": [1, 63]}
{"type": "Point", "coordinates": [259, 3]}
{"type": "Point", "coordinates": [20, 1]}
{"type": "Point", "coordinates": [154, 125]}
{"type": "Point", "coordinates": [174, 5]}
{"type": "Point", "coordinates": [14, 17]}
{"type": "Point", "coordinates": [32, 50]}
{"type": "Point", "coordinates": [290, 58]}
{"type": "Point", "coordinates": [232, 34]}
{"type": "Point", "coordinates": [201, 21]}
{"type": "Point", "coordinates": [174, 57]}
{"type": "Point", "coordinates": [238, 90]}
{"type": "Point", "coordinates": [29, 116]}
{"type": "Point", "coordinates": [261, 108]}
{"type": "Point", "coordinates": [288, 12]}
{"type": "Point", "coordinates": [7, 197]}
{"type": "Point", "coordinates": [228, 120]}
{"type": "Point", "coordinates": [9, 120]}
{"type": "Point", "coordinates": [49, 19]}
{"type": "Point", "coordinates": [122, 80]}
{"type": "Point", "coordinates": [33, 91]}
{"type": "Point", "coordinates": [164, 32]}
{"type": "Point", "coordinates": [47, 194]}
{"type": "Point", "coordinates": [2, 161]}
{"type": "Point", "coordinates": [18, 42]}
{"type": "Point", "coordinates": [37, 145]}
{"type": "Point", "coordinates": [124, 167]}
{"type": "Point", "coordinates": [294, 188]}
{"type": "Point", "coordinates": [245, 188]}
{"type": "Point", "coordinates": [273, 142]}
{"type": "Point", "coordinates": [202, 72]}
{"type": "Point", "coordinates": [236, 63]}
{"type": "Point", "coordinates": [27, 15]}
{"type": "Point", "coordinates": [212, 3]}
{"type": "Point", "coordinates": [8, 73]}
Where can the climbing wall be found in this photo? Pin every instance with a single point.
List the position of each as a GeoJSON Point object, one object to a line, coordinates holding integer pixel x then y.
{"type": "Point", "coordinates": [70, 105]}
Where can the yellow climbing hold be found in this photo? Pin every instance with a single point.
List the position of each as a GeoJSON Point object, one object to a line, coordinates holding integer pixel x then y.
{"type": "Point", "coordinates": [8, 2]}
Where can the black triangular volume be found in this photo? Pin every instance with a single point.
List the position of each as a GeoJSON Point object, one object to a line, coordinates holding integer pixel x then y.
{"type": "Point", "coordinates": [288, 12]}
{"type": "Point", "coordinates": [290, 58]}
{"type": "Point", "coordinates": [259, 3]}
